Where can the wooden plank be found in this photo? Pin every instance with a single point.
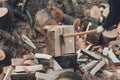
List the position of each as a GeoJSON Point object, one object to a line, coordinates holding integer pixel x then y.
{"type": "Point", "coordinates": [43, 76]}
{"type": "Point", "coordinates": [28, 68]}
{"type": "Point", "coordinates": [89, 66]}
{"type": "Point", "coordinates": [98, 67]}
{"type": "Point", "coordinates": [112, 56]}
{"type": "Point", "coordinates": [91, 54]}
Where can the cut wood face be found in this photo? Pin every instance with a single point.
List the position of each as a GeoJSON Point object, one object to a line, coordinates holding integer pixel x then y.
{"type": "Point", "coordinates": [95, 12]}
{"type": "Point", "coordinates": [3, 11]}
{"type": "Point", "coordinates": [2, 55]}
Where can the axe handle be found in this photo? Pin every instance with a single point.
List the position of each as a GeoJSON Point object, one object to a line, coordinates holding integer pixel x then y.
{"type": "Point", "coordinates": [80, 33]}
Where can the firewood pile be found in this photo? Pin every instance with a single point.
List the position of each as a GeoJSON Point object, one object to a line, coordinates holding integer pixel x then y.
{"type": "Point", "coordinates": [39, 53]}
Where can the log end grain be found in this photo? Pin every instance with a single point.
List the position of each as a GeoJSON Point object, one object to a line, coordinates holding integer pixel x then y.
{"type": "Point", "coordinates": [3, 11]}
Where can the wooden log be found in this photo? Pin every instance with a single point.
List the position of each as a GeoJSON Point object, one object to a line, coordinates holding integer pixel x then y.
{"type": "Point", "coordinates": [56, 65]}
{"type": "Point", "coordinates": [98, 67]}
{"type": "Point", "coordinates": [113, 57]}
{"type": "Point", "coordinates": [89, 66]}
{"type": "Point", "coordinates": [9, 72]}
{"type": "Point", "coordinates": [105, 51]}
{"type": "Point", "coordinates": [17, 61]}
{"type": "Point", "coordinates": [23, 76]}
{"type": "Point", "coordinates": [40, 18]}
{"type": "Point", "coordinates": [95, 12]}
{"type": "Point", "coordinates": [43, 76]}
{"type": "Point", "coordinates": [108, 73]}
{"type": "Point", "coordinates": [91, 54]}
{"type": "Point", "coordinates": [29, 68]}
{"type": "Point", "coordinates": [53, 40]}
{"type": "Point", "coordinates": [5, 18]}
{"type": "Point", "coordinates": [105, 12]}
{"type": "Point", "coordinates": [109, 36]}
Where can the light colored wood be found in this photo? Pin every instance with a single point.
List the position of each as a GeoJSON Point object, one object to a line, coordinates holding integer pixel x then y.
{"type": "Point", "coordinates": [108, 73]}
{"type": "Point", "coordinates": [29, 68]}
{"type": "Point", "coordinates": [95, 12]}
{"type": "Point", "coordinates": [113, 57]}
{"type": "Point", "coordinates": [109, 35]}
{"type": "Point", "coordinates": [98, 67]}
{"type": "Point", "coordinates": [91, 54]}
{"type": "Point", "coordinates": [53, 40]}
{"type": "Point", "coordinates": [105, 51]}
{"type": "Point", "coordinates": [105, 12]}
{"type": "Point", "coordinates": [43, 56]}
{"type": "Point", "coordinates": [56, 66]}
{"type": "Point", "coordinates": [9, 72]}
{"type": "Point", "coordinates": [2, 75]}
{"type": "Point", "coordinates": [89, 66]}
{"type": "Point", "coordinates": [3, 11]}
{"type": "Point", "coordinates": [118, 28]}
{"type": "Point", "coordinates": [44, 76]}
{"type": "Point", "coordinates": [17, 61]}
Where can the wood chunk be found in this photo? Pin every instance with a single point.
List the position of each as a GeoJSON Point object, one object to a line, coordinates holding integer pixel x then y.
{"type": "Point", "coordinates": [91, 54]}
{"type": "Point", "coordinates": [43, 76]}
{"type": "Point", "coordinates": [107, 73]}
{"type": "Point", "coordinates": [28, 68]}
{"type": "Point", "coordinates": [9, 72]}
{"type": "Point", "coordinates": [105, 12]}
{"type": "Point", "coordinates": [113, 57]}
{"type": "Point", "coordinates": [95, 12]}
{"type": "Point", "coordinates": [26, 57]}
{"type": "Point", "coordinates": [82, 60]}
{"type": "Point", "coordinates": [105, 51]}
{"type": "Point", "coordinates": [23, 76]}
{"type": "Point", "coordinates": [52, 39]}
{"type": "Point", "coordinates": [109, 35]}
{"type": "Point", "coordinates": [98, 67]}
{"type": "Point", "coordinates": [17, 61]}
{"type": "Point", "coordinates": [43, 56]}
{"type": "Point", "coordinates": [56, 65]}
{"type": "Point", "coordinates": [89, 66]}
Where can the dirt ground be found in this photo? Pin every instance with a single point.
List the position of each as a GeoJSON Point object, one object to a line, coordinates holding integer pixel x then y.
{"type": "Point", "coordinates": [24, 28]}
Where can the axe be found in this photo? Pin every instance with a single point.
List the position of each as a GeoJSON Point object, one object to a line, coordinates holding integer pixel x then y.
{"type": "Point", "coordinates": [62, 36]}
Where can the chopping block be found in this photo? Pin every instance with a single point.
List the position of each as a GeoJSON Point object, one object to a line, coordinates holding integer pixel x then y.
{"type": "Point", "coordinates": [55, 48]}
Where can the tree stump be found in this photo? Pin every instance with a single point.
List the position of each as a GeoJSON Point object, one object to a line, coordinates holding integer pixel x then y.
{"type": "Point", "coordinates": [5, 19]}
{"type": "Point", "coordinates": [109, 36]}
{"type": "Point", "coordinates": [53, 41]}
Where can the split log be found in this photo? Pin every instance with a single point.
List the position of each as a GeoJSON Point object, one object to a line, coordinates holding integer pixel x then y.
{"type": "Point", "coordinates": [109, 35]}
{"type": "Point", "coordinates": [95, 12]}
{"type": "Point", "coordinates": [105, 51]}
{"type": "Point", "coordinates": [91, 54]}
{"type": "Point", "coordinates": [43, 76]}
{"type": "Point", "coordinates": [89, 66]}
{"type": "Point", "coordinates": [28, 68]}
{"type": "Point", "coordinates": [113, 57]}
{"type": "Point", "coordinates": [17, 61]}
{"type": "Point", "coordinates": [15, 40]}
{"type": "Point", "coordinates": [98, 67]}
{"type": "Point", "coordinates": [53, 40]}
{"type": "Point", "coordinates": [5, 18]}
{"type": "Point", "coordinates": [23, 76]}
{"type": "Point", "coordinates": [9, 72]}
{"type": "Point", "coordinates": [40, 18]}
{"type": "Point", "coordinates": [105, 12]}
{"type": "Point", "coordinates": [108, 73]}
{"type": "Point", "coordinates": [56, 65]}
